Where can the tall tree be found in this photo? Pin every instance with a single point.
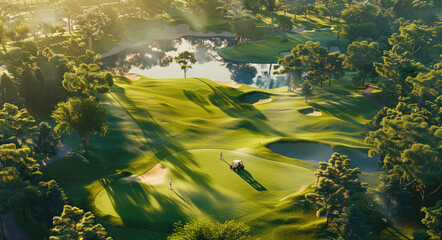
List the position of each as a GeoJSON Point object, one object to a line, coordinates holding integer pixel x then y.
{"type": "Point", "coordinates": [351, 224]}
{"type": "Point", "coordinates": [307, 90]}
{"type": "Point", "coordinates": [433, 219]}
{"type": "Point", "coordinates": [186, 60]}
{"type": "Point", "coordinates": [285, 24]}
{"type": "Point", "coordinates": [360, 57]}
{"type": "Point", "coordinates": [336, 185]}
{"type": "Point", "coordinates": [83, 115]}
{"type": "Point", "coordinates": [70, 9]}
{"type": "Point", "coordinates": [45, 140]}
{"type": "Point", "coordinates": [272, 6]}
{"type": "Point", "coordinates": [3, 35]}
{"type": "Point", "coordinates": [91, 24]}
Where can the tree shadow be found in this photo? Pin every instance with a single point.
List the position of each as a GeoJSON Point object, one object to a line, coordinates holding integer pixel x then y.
{"type": "Point", "coordinates": [197, 99]}
{"type": "Point", "coordinates": [252, 119]}
{"type": "Point", "coordinates": [244, 174]}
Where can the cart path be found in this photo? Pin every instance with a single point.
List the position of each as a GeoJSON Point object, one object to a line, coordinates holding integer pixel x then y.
{"type": "Point", "coordinates": [369, 96]}
{"type": "Point", "coordinates": [63, 151]}
{"type": "Point", "coordinates": [300, 190]}
{"type": "Point", "coordinates": [11, 230]}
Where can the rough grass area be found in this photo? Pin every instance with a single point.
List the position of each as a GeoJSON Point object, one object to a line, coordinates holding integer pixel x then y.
{"type": "Point", "coordinates": [270, 50]}
{"type": "Point", "coordinates": [184, 124]}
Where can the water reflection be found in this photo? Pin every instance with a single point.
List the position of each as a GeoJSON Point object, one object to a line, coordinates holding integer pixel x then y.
{"type": "Point", "coordinates": [156, 60]}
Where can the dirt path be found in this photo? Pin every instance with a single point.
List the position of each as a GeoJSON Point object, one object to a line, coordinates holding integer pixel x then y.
{"type": "Point", "coordinates": [369, 96]}
{"type": "Point", "coordinates": [300, 190]}
{"type": "Point", "coordinates": [4, 69]}
{"type": "Point", "coordinates": [11, 230]}
{"type": "Point", "coordinates": [63, 151]}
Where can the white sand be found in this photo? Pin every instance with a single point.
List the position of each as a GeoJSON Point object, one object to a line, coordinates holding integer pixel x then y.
{"type": "Point", "coordinates": [229, 84]}
{"type": "Point", "coordinates": [267, 100]}
{"type": "Point", "coordinates": [131, 76]}
{"type": "Point", "coordinates": [315, 114]}
{"type": "Point", "coordinates": [154, 176]}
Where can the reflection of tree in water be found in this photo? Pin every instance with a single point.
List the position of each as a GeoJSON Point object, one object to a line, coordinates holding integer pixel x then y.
{"type": "Point", "coordinates": [158, 53]}
{"type": "Point", "coordinates": [242, 72]}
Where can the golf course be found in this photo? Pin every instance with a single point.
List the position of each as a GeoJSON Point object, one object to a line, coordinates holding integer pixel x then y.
{"type": "Point", "coordinates": [165, 129]}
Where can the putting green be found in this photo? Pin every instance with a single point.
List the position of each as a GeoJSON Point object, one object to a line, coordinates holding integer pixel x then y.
{"type": "Point", "coordinates": [203, 186]}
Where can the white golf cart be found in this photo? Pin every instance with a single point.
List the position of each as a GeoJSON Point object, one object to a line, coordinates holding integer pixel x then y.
{"type": "Point", "coordinates": [237, 165]}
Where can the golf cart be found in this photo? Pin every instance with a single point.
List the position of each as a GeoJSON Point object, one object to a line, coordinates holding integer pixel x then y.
{"type": "Point", "coordinates": [237, 166]}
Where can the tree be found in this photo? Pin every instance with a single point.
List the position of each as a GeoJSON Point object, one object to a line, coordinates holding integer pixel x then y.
{"type": "Point", "coordinates": [186, 60]}
{"type": "Point", "coordinates": [360, 21]}
{"type": "Point", "coordinates": [285, 24]}
{"type": "Point", "coordinates": [336, 185]}
{"type": "Point", "coordinates": [3, 35]}
{"type": "Point", "coordinates": [70, 9]}
{"type": "Point", "coordinates": [244, 29]}
{"type": "Point", "coordinates": [73, 223]}
{"type": "Point", "coordinates": [205, 230]}
{"type": "Point", "coordinates": [45, 140]}
{"type": "Point", "coordinates": [421, 167]}
{"type": "Point", "coordinates": [433, 219]}
{"type": "Point", "coordinates": [91, 24]}
{"type": "Point", "coordinates": [9, 92]}
{"type": "Point", "coordinates": [50, 203]}
{"type": "Point", "coordinates": [360, 57]}
{"type": "Point", "coordinates": [83, 115]}
{"type": "Point", "coordinates": [393, 196]}
{"type": "Point", "coordinates": [415, 38]}
{"type": "Point", "coordinates": [309, 57]}
{"type": "Point", "coordinates": [17, 126]}
{"type": "Point", "coordinates": [87, 79]}
{"type": "Point", "coordinates": [335, 66]}
{"type": "Point", "coordinates": [351, 224]}
{"type": "Point", "coordinates": [307, 90]}
{"type": "Point", "coordinates": [19, 32]}
{"type": "Point", "coordinates": [272, 6]}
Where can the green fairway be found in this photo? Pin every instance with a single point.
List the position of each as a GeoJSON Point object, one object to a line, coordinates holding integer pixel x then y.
{"type": "Point", "coordinates": [204, 186]}
{"type": "Point", "coordinates": [183, 124]}
{"type": "Point", "coordinates": [270, 50]}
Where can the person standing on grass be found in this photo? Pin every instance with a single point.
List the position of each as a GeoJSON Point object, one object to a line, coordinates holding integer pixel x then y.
{"type": "Point", "coordinates": [170, 184]}
{"type": "Point", "coordinates": [221, 156]}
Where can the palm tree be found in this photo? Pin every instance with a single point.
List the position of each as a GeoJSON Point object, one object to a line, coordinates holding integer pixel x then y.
{"type": "Point", "coordinates": [271, 6]}
{"type": "Point", "coordinates": [227, 5]}
{"type": "Point", "coordinates": [238, 14]}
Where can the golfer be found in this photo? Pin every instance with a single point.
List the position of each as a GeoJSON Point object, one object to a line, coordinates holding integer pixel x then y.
{"type": "Point", "coordinates": [170, 184]}
{"type": "Point", "coordinates": [221, 156]}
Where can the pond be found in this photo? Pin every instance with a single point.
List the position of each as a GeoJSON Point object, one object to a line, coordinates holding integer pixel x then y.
{"type": "Point", "coordinates": [314, 152]}
{"type": "Point", "coordinates": [155, 60]}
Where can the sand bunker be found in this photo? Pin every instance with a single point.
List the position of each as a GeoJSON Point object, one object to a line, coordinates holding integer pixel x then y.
{"type": "Point", "coordinates": [300, 190]}
{"type": "Point", "coordinates": [154, 176]}
{"type": "Point", "coordinates": [256, 98]}
{"type": "Point", "coordinates": [301, 30]}
{"type": "Point", "coordinates": [131, 76]}
{"type": "Point", "coordinates": [263, 101]}
{"type": "Point", "coordinates": [314, 114]}
{"type": "Point", "coordinates": [310, 112]}
{"type": "Point", "coordinates": [230, 84]}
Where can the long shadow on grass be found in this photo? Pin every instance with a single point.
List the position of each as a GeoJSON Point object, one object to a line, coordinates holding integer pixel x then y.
{"type": "Point", "coordinates": [252, 119]}
{"type": "Point", "coordinates": [161, 143]}
{"type": "Point", "coordinates": [136, 202]}
{"type": "Point", "coordinates": [244, 174]}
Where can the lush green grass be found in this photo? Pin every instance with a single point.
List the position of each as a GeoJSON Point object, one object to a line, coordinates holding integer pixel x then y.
{"type": "Point", "coordinates": [183, 124]}
{"type": "Point", "coordinates": [270, 50]}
